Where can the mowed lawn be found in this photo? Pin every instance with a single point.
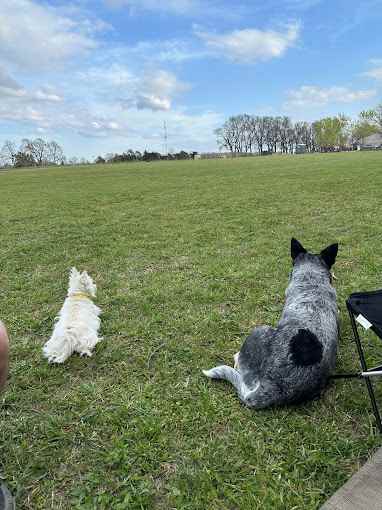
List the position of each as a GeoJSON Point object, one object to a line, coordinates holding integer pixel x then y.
{"type": "Point", "coordinates": [188, 257]}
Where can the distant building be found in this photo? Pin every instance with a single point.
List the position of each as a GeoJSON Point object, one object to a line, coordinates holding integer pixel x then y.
{"type": "Point", "coordinates": [213, 155]}
{"type": "Point", "coordinates": [371, 142]}
{"type": "Point", "coordinates": [300, 148]}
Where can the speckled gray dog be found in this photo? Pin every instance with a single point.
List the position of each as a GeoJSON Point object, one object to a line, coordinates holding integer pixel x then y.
{"type": "Point", "coordinates": [291, 363]}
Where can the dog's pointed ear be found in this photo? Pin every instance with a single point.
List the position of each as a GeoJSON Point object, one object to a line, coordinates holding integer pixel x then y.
{"type": "Point", "coordinates": [329, 254]}
{"type": "Point", "coordinates": [296, 248]}
{"type": "Point", "coordinates": [74, 272]}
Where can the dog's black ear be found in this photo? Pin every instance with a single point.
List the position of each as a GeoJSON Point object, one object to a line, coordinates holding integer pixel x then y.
{"type": "Point", "coordinates": [296, 248]}
{"type": "Point", "coordinates": [329, 254]}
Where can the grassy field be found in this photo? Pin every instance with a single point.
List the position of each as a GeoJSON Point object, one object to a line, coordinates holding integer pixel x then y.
{"type": "Point", "coordinates": [188, 257]}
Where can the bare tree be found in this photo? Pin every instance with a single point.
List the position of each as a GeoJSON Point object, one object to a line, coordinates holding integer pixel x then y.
{"type": "Point", "coordinates": [247, 133]}
{"type": "Point", "coordinates": [259, 132]}
{"type": "Point", "coordinates": [54, 153]}
{"type": "Point", "coordinates": [37, 149]}
{"type": "Point", "coordinates": [226, 136]}
{"type": "Point", "coordinates": [285, 125]}
{"type": "Point", "coordinates": [269, 133]}
{"type": "Point", "coordinates": [307, 136]}
{"type": "Point", "coordinates": [8, 154]}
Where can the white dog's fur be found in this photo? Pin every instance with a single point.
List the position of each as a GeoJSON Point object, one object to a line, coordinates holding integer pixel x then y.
{"type": "Point", "coordinates": [77, 325]}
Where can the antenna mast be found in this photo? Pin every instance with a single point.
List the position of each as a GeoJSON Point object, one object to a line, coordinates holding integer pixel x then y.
{"type": "Point", "coordinates": [165, 138]}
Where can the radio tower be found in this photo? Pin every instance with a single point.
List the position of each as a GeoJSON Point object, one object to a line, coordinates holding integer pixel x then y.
{"type": "Point", "coordinates": [165, 138]}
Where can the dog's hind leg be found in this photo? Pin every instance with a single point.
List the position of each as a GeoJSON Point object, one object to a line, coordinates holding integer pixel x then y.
{"type": "Point", "coordinates": [265, 394]}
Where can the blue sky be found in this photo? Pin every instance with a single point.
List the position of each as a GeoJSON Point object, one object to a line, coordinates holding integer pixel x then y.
{"type": "Point", "coordinates": [102, 76]}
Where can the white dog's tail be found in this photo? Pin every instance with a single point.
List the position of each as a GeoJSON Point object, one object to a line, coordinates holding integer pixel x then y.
{"type": "Point", "coordinates": [60, 346]}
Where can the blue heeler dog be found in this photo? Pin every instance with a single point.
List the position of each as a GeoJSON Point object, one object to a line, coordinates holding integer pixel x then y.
{"type": "Point", "coordinates": [291, 363]}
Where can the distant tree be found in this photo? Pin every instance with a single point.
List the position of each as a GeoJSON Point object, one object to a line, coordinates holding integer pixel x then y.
{"type": "Point", "coordinates": [182, 155]}
{"type": "Point", "coordinates": [306, 135]}
{"type": "Point", "coordinates": [151, 156]}
{"type": "Point", "coordinates": [331, 132]}
{"type": "Point", "coordinates": [226, 135]}
{"type": "Point", "coordinates": [248, 133]}
{"type": "Point", "coordinates": [32, 152]}
{"type": "Point", "coordinates": [100, 160]}
{"type": "Point", "coordinates": [374, 117]}
{"type": "Point", "coordinates": [23, 159]}
{"type": "Point", "coordinates": [8, 153]}
{"type": "Point", "coordinates": [37, 149]}
{"type": "Point", "coordinates": [361, 129]}
{"type": "Point", "coordinates": [54, 153]}
{"type": "Point", "coordinates": [285, 126]}
{"type": "Point", "coordinates": [258, 127]}
{"type": "Point", "coordinates": [131, 155]}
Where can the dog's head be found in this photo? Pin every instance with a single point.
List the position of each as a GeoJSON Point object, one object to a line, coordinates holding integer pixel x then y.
{"type": "Point", "coordinates": [81, 282]}
{"type": "Point", "coordinates": [326, 258]}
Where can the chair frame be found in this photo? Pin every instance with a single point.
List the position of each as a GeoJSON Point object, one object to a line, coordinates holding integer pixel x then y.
{"type": "Point", "coordinates": [367, 373]}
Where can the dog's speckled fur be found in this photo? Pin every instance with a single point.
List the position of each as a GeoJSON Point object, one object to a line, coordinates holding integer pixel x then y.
{"type": "Point", "coordinates": [291, 363]}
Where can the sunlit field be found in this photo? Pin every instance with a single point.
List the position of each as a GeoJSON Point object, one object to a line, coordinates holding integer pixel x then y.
{"type": "Point", "coordinates": [188, 257]}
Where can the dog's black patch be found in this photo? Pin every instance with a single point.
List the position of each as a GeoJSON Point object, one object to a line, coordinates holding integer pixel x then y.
{"type": "Point", "coordinates": [305, 348]}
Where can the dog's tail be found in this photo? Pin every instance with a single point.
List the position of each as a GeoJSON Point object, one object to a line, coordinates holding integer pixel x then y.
{"type": "Point", "coordinates": [60, 346]}
{"type": "Point", "coordinates": [229, 374]}
{"type": "Point", "coordinates": [264, 393]}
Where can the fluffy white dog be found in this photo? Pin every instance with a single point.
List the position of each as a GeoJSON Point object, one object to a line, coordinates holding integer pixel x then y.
{"type": "Point", "coordinates": [77, 325]}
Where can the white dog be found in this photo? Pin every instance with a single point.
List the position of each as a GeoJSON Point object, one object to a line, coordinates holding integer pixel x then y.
{"type": "Point", "coordinates": [78, 323]}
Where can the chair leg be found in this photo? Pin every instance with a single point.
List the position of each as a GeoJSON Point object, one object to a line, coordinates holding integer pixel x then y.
{"type": "Point", "coordinates": [369, 385]}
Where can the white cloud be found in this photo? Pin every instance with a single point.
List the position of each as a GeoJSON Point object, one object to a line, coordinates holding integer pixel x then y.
{"type": "Point", "coordinates": [118, 125]}
{"type": "Point", "coordinates": [18, 114]}
{"type": "Point", "coordinates": [198, 9]}
{"type": "Point", "coordinates": [6, 81]}
{"type": "Point", "coordinates": [157, 89]}
{"type": "Point", "coordinates": [250, 45]}
{"type": "Point", "coordinates": [301, 5]}
{"type": "Point", "coordinates": [152, 102]}
{"type": "Point", "coordinates": [114, 76]}
{"type": "Point", "coordinates": [170, 6]}
{"type": "Point", "coordinates": [117, 97]}
{"type": "Point", "coordinates": [101, 97]}
{"type": "Point", "coordinates": [311, 95]}
{"type": "Point", "coordinates": [35, 36]}
{"type": "Point", "coordinates": [154, 90]}
{"type": "Point", "coordinates": [376, 71]}
{"type": "Point", "coordinates": [14, 95]}
{"type": "Point", "coordinates": [172, 50]}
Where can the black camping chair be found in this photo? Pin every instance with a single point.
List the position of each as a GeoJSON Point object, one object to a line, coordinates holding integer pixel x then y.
{"type": "Point", "coordinates": [366, 309]}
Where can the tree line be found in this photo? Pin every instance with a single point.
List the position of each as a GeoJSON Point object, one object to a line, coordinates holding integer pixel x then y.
{"type": "Point", "coordinates": [37, 152]}
{"type": "Point", "coordinates": [132, 155]}
{"type": "Point", "coordinates": [239, 134]}
{"type": "Point", "coordinates": [263, 135]}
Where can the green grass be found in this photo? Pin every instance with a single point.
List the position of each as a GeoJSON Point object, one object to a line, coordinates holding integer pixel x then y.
{"type": "Point", "coordinates": [188, 257]}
